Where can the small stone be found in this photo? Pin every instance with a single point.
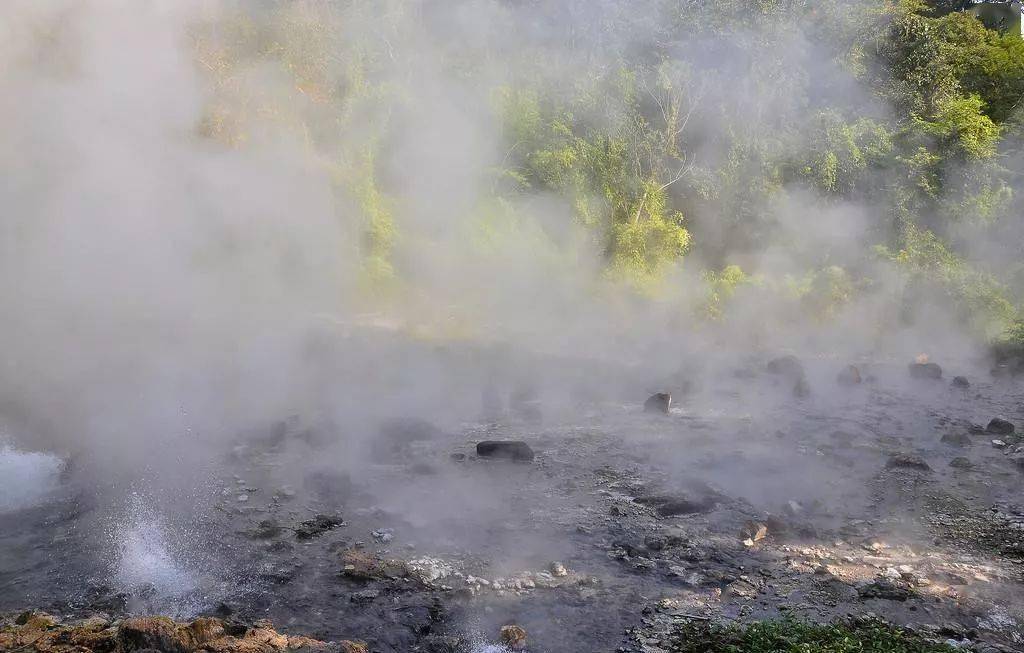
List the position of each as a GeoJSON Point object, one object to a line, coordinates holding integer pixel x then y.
{"type": "Point", "coordinates": [787, 366]}
{"type": "Point", "coordinates": [384, 535]}
{"type": "Point", "coordinates": [242, 498]}
{"type": "Point", "coordinates": [998, 444]}
{"type": "Point", "coordinates": [1000, 426]}
{"type": "Point", "coordinates": [885, 589]}
{"type": "Point", "coordinates": [961, 382]}
{"type": "Point", "coordinates": [961, 463]}
{"type": "Point", "coordinates": [956, 439]}
{"type": "Point", "coordinates": [515, 450]}
{"type": "Point", "coordinates": [558, 570]}
{"type": "Point", "coordinates": [907, 461]}
{"type": "Point", "coordinates": [658, 403]}
{"type": "Point", "coordinates": [365, 596]}
{"type": "Point", "coordinates": [318, 525]}
{"type": "Point", "coordinates": [513, 636]}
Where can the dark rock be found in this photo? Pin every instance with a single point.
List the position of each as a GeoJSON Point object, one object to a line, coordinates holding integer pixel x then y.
{"type": "Point", "coordinates": [957, 439]}
{"type": "Point", "coordinates": [318, 525]}
{"type": "Point", "coordinates": [365, 596]}
{"type": "Point", "coordinates": [961, 463]}
{"type": "Point", "coordinates": [1000, 426]}
{"type": "Point", "coordinates": [925, 371]}
{"type": "Point", "coordinates": [655, 542]}
{"type": "Point", "coordinates": [444, 644]}
{"type": "Point", "coordinates": [267, 529]}
{"type": "Point", "coordinates": [961, 382]}
{"type": "Point", "coordinates": [907, 461]}
{"type": "Point", "coordinates": [777, 526]}
{"type": "Point", "coordinates": [787, 366]}
{"type": "Point", "coordinates": [516, 450]}
{"type": "Point", "coordinates": [885, 589]}
{"type": "Point", "coordinates": [658, 403]}
{"type": "Point", "coordinates": [849, 376]}
{"type": "Point", "coordinates": [669, 506]}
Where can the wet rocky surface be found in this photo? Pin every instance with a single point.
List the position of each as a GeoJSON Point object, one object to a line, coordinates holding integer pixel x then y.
{"type": "Point", "coordinates": [897, 495]}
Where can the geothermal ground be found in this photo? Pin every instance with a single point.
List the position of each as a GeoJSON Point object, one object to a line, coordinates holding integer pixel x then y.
{"type": "Point", "coordinates": [744, 502]}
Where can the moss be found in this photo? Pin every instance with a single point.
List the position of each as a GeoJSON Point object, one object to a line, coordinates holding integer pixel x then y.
{"type": "Point", "coordinates": [790, 636]}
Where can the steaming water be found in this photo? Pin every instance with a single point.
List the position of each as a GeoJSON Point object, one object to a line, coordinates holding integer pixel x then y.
{"type": "Point", "coordinates": [26, 478]}
{"type": "Point", "coordinates": [149, 561]}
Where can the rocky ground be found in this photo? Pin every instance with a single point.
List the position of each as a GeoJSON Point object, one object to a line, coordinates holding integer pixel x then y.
{"type": "Point", "coordinates": [774, 493]}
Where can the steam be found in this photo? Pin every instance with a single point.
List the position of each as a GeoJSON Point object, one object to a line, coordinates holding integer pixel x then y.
{"type": "Point", "coordinates": [26, 478]}
{"type": "Point", "coordinates": [182, 250]}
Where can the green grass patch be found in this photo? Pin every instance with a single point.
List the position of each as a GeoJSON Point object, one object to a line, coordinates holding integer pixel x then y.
{"type": "Point", "coordinates": [790, 636]}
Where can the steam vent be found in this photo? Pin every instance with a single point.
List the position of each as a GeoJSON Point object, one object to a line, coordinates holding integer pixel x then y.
{"type": "Point", "coordinates": [481, 326]}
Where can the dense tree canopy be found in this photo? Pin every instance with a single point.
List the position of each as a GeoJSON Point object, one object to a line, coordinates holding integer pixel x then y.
{"type": "Point", "coordinates": [677, 131]}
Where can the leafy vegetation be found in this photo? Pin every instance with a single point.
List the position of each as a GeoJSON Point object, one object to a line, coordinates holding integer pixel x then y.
{"type": "Point", "coordinates": [666, 135]}
{"type": "Point", "coordinates": [797, 637]}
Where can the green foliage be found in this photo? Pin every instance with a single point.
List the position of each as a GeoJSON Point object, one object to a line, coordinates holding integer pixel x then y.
{"type": "Point", "coordinates": [612, 164]}
{"type": "Point", "coordinates": [930, 266]}
{"type": "Point", "coordinates": [841, 153]}
{"type": "Point", "coordinates": [379, 231]}
{"type": "Point", "coordinates": [960, 121]}
{"type": "Point", "coordinates": [721, 286]}
{"type": "Point", "coordinates": [791, 636]}
{"type": "Point", "coordinates": [647, 129]}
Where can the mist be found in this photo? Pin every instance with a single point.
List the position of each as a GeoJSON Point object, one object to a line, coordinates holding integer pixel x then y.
{"type": "Point", "coordinates": [225, 225]}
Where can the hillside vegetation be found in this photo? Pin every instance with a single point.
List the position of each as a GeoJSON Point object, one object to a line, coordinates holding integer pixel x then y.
{"type": "Point", "coordinates": [820, 152]}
